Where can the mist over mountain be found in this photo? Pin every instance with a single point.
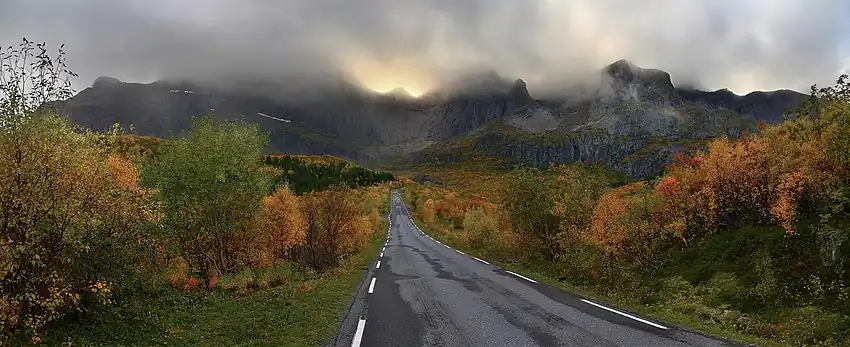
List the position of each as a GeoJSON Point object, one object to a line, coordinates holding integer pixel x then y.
{"type": "Point", "coordinates": [419, 45]}
{"type": "Point", "coordinates": [620, 110]}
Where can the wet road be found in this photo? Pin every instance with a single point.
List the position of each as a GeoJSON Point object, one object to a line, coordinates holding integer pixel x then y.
{"type": "Point", "coordinates": [420, 292]}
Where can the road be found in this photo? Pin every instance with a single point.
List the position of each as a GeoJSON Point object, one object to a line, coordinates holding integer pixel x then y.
{"type": "Point", "coordinates": [420, 292]}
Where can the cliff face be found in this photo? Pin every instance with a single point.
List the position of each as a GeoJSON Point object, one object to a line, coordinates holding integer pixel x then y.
{"type": "Point", "coordinates": [636, 155]}
{"type": "Point", "coordinates": [764, 106]}
{"type": "Point", "coordinates": [463, 113]}
{"type": "Point", "coordinates": [632, 120]}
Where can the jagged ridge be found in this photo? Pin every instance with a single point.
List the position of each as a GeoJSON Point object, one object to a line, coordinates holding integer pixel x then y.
{"type": "Point", "coordinates": [626, 112]}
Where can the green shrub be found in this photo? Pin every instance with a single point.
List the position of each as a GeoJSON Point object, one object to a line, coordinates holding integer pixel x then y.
{"type": "Point", "coordinates": [210, 185]}
{"type": "Point", "coordinates": [723, 290]}
{"type": "Point", "coordinates": [531, 209]}
{"type": "Point", "coordinates": [481, 229]}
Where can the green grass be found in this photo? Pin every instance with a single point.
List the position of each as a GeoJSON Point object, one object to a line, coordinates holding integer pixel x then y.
{"type": "Point", "coordinates": [301, 312]}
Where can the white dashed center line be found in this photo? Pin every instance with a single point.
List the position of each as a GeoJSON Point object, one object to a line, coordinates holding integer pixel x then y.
{"type": "Point", "coordinates": [358, 335]}
{"type": "Point", "coordinates": [372, 285]}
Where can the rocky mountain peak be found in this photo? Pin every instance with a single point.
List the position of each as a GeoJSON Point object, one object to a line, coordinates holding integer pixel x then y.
{"type": "Point", "coordinates": [480, 83]}
{"type": "Point", "coordinates": [622, 70]}
{"type": "Point", "coordinates": [106, 82]}
{"type": "Point", "coordinates": [519, 91]}
{"type": "Point", "coordinates": [631, 82]}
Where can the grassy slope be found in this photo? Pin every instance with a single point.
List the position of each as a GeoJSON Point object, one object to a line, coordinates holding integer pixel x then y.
{"type": "Point", "coordinates": [300, 312]}
{"type": "Point", "coordinates": [549, 275]}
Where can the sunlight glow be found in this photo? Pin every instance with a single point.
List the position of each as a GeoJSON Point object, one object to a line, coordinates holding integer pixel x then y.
{"type": "Point", "coordinates": [384, 89]}
{"type": "Point", "coordinates": [384, 77]}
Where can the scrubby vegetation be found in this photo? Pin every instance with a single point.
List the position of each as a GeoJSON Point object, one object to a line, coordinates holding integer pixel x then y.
{"type": "Point", "coordinates": [102, 236]}
{"type": "Point", "coordinates": [747, 238]}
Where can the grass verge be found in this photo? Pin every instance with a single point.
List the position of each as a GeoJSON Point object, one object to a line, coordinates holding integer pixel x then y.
{"type": "Point", "coordinates": [303, 311]}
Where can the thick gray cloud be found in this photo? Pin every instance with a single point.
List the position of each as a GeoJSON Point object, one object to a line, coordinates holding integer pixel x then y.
{"type": "Point", "coordinates": [418, 44]}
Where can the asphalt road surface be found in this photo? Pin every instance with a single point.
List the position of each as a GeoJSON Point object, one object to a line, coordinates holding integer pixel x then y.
{"type": "Point", "coordinates": [420, 292]}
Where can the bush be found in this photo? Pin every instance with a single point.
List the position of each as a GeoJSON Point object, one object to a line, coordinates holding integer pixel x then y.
{"type": "Point", "coordinates": [481, 230]}
{"type": "Point", "coordinates": [625, 223]}
{"type": "Point", "coordinates": [427, 213]}
{"type": "Point", "coordinates": [532, 211]}
{"type": "Point", "coordinates": [70, 221]}
{"type": "Point", "coordinates": [279, 225]}
{"type": "Point", "coordinates": [210, 185]}
{"type": "Point", "coordinates": [577, 189]}
{"type": "Point", "coordinates": [336, 226]}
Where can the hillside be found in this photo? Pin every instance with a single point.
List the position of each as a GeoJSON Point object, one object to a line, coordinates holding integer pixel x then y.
{"type": "Point", "coordinates": [631, 120]}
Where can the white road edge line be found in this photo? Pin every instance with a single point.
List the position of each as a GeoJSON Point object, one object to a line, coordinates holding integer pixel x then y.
{"type": "Point", "coordinates": [379, 265]}
{"type": "Point", "coordinates": [520, 276]}
{"type": "Point", "coordinates": [358, 335]}
{"type": "Point", "coordinates": [372, 285]}
{"type": "Point", "coordinates": [481, 260]}
{"type": "Point", "coordinates": [625, 314]}
{"type": "Point", "coordinates": [460, 252]}
{"type": "Point", "coordinates": [382, 255]}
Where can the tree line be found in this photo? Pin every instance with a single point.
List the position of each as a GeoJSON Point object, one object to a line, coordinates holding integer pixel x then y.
{"type": "Point", "coordinates": [309, 174]}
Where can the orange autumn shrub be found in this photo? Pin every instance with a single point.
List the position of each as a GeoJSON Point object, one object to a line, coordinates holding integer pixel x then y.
{"type": "Point", "coordinates": [191, 284]}
{"type": "Point", "coordinates": [427, 211]}
{"type": "Point", "coordinates": [279, 225]}
{"type": "Point", "coordinates": [625, 223]}
{"type": "Point", "coordinates": [752, 179]}
{"type": "Point", "coordinates": [356, 234]}
{"type": "Point", "coordinates": [450, 206]}
{"type": "Point", "coordinates": [125, 173]}
{"type": "Point", "coordinates": [785, 207]}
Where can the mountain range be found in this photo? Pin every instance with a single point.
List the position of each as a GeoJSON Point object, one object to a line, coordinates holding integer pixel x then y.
{"type": "Point", "coordinates": [628, 119]}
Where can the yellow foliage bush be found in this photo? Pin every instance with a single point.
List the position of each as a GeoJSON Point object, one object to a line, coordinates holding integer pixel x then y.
{"type": "Point", "coordinates": [356, 234]}
{"type": "Point", "coordinates": [450, 206]}
{"type": "Point", "coordinates": [480, 230]}
{"type": "Point", "coordinates": [758, 178]}
{"type": "Point", "coordinates": [75, 217]}
{"type": "Point", "coordinates": [624, 222]}
{"type": "Point", "coordinates": [279, 225]}
{"type": "Point", "coordinates": [427, 212]}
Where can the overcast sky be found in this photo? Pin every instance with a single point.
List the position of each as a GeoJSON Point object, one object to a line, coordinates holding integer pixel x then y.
{"type": "Point", "coordinates": [742, 45]}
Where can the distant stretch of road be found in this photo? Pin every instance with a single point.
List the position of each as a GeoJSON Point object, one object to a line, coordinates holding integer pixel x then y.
{"type": "Point", "coordinates": [420, 292]}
